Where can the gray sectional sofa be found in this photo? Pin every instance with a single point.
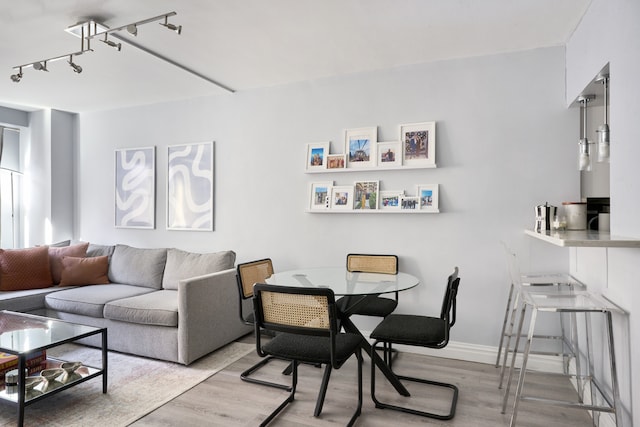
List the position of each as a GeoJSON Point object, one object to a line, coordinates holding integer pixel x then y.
{"type": "Point", "coordinates": [161, 303]}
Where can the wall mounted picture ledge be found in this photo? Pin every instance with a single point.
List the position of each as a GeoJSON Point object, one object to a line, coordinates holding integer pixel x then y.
{"type": "Point", "coordinates": [190, 187]}
{"type": "Point", "coordinates": [135, 187]}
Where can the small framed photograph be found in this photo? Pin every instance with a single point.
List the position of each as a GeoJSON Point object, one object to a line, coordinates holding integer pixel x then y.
{"type": "Point", "coordinates": [342, 197]}
{"type": "Point", "coordinates": [360, 147]}
{"type": "Point", "coordinates": [428, 195]}
{"type": "Point", "coordinates": [390, 200]}
{"type": "Point", "coordinates": [389, 154]}
{"type": "Point", "coordinates": [317, 155]}
{"type": "Point", "coordinates": [409, 203]}
{"type": "Point", "coordinates": [418, 144]}
{"type": "Point", "coordinates": [319, 195]}
{"type": "Point", "coordinates": [335, 161]}
{"type": "Point", "coordinates": [366, 195]}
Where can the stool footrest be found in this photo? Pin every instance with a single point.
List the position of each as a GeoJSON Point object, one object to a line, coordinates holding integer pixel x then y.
{"type": "Point", "coordinates": [567, 404]}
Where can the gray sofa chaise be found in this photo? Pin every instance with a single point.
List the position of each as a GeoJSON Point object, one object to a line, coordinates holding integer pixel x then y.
{"type": "Point", "coordinates": [161, 303]}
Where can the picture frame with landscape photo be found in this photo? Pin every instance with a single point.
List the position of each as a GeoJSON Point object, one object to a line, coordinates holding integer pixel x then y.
{"type": "Point", "coordinates": [389, 154]}
{"type": "Point", "coordinates": [428, 197]}
{"type": "Point", "coordinates": [360, 147]}
{"type": "Point", "coordinates": [418, 144]}
{"type": "Point", "coordinates": [342, 197]}
{"type": "Point", "coordinates": [319, 195]}
{"type": "Point", "coordinates": [390, 200]}
{"type": "Point", "coordinates": [409, 203]}
{"type": "Point", "coordinates": [317, 155]}
{"type": "Point", "coordinates": [336, 161]}
{"type": "Point", "coordinates": [366, 195]}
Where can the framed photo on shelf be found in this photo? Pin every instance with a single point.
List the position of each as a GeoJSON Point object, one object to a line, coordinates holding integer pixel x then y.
{"type": "Point", "coordinates": [135, 204]}
{"type": "Point", "coordinates": [335, 161]}
{"type": "Point", "coordinates": [190, 187]}
{"type": "Point", "coordinates": [319, 195]}
{"type": "Point", "coordinates": [342, 197]}
{"type": "Point", "coordinates": [409, 203]}
{"type": "Point", "coordinates": [366, 195]}
{"type": "Point", "coordinates": [428, 195]}
{"type": "Point", "coordinates": [360, 147]}
{"type": "Point", "coordinates": [317, 155]}
{"type": "Point", "coordinates": [389, 154]}
{"type": "Point", "coordinates": [390, 200]}
{"type": "Point", "coordinates": [418, 144]}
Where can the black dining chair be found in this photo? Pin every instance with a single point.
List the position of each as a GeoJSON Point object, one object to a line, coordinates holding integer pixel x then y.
{"type": "Point", "coordinates": [248, 274]}
{"type": "Point", "coordinates": [423, 331]}
{"type": "Point", "coordinates": [305, 321]}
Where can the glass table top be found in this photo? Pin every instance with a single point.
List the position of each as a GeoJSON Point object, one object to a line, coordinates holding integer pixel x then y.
{"type": "Point", "coordinates": [22, 333]}
{"type": "Point", "coordinates": [344, 282]}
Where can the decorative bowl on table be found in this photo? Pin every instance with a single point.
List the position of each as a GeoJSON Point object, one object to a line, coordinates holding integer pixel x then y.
{"type": "Point", "coordinates": [70, 373]}
{"type": "Point", "coordinates": [50, 376]}
{"type": "Point", "coordinates": [30, 384]}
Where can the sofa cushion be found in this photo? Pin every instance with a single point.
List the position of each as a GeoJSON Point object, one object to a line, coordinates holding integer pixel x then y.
{"type": "Point", "coordinates": [84, 271]}
{"type": "Point", "coordinates": [56, 254]}
{"type": "Point", "coordinates": [183, 265]}
{"type": "Point", "coordinates": [100, 250]}
{"type": "Point", "coordinates": [24, 268]}
{"type": "Point", "coordinates": [26, 300]}
{"type": "Point", "coordinates": [90, 300]}
{"type": "Point", "coordinates": [154, 308]}
{"type": "Point", "coordinates": [138, 267]}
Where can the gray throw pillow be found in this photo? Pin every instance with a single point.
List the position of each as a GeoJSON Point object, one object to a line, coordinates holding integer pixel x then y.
{"type": "Point", "coordinates": [183, 265]}
{"type": "Point", "coordinates": [138, 267]}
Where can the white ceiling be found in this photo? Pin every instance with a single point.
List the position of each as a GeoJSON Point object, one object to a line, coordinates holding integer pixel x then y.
{"type": "Point", "coordinates": [247, 44]}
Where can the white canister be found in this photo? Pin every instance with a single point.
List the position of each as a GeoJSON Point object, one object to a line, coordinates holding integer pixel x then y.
{"type": "Point", "coordinates": [604, 222]}
{"type": "Point", "coordinates": [576, 213]}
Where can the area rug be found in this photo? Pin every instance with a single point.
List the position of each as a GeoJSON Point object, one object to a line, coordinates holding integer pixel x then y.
{"type": "Point", "coordinates": [136, 387]}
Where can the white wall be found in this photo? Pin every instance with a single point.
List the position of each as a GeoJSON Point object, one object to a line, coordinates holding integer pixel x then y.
{"type": "Point", "coordinates": [504, 140]}
{"type": "Point", "coordinates": [609, 33]}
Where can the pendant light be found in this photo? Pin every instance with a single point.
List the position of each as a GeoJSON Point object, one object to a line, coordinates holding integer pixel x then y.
{"type": "Point", "coordinates": [603, 130]}
{"type": "Point", "coordinates": [584, 159]}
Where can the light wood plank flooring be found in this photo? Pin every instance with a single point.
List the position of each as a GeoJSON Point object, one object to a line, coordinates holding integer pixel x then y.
{"type": "Point", "coordinates": [225, 400]}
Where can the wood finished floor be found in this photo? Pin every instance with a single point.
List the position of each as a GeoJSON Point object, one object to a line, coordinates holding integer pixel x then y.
{"type": "Point", "coordinates": [225, 400]}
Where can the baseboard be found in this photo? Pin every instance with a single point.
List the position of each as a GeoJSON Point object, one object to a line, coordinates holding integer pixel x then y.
{"type": "Point", "coordinates": [483, 354]}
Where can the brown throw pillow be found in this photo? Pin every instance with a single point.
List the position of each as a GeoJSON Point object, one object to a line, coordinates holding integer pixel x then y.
{"type": "Point", "coordinates": [56, 254]}
{"type": "Point", "coordinates": [84, 271]}
{"type": "Point", "coordinates": [24, 269]}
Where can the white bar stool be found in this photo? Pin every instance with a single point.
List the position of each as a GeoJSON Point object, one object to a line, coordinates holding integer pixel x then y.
{"type": "Point", "coordinates": [578, 302]}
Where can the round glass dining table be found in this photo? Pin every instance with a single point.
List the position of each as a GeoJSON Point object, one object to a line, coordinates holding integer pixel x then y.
{"type": "Point", "coordinates": [343, 282]}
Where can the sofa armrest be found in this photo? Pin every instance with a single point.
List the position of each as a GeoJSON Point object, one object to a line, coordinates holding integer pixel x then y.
{"type": "Point", "coordinates": [208, 314]}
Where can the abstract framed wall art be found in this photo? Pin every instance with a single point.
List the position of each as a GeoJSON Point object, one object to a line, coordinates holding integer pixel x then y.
{"type": "Point", "coordinates": [360, 147]}
{"type": "Point", "coordinates": [135, 187]}
{"type": "Point", "coordinates": [418, 144]}
{"type": "Point", "coordinates": [190, 187]}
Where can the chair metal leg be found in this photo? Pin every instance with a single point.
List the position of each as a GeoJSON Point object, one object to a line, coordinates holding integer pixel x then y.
{"type": "Point", "coordinates": [323, 390]}
{"type": "Point", "coordinates": [359, 407]}
{"type": "Point", "coordinates": [523, 368]}
{"type": "Point", "coordinates": [513, 359]}
{"type": "Point", "coordinates": [514, 310]}
{"type": "Point", "coordinates": [245, 376]}
{"type": "Point", "coordinates": [289, 399]}
{"type": "Point", "coordinates": [380, 404]}
{"type": "Point", "coordinates": [507, 310]}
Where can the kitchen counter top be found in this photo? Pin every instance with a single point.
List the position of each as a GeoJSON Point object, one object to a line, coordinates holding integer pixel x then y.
{"type": "Point", "coordinates": [585, 239]}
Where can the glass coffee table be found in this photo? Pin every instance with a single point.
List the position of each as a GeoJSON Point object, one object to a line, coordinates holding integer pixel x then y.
{"type": "Point", "coordinates": [24, 335]}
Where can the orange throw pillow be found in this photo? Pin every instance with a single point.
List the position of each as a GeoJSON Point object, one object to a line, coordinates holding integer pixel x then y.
{"type": "Point", "coordinates": [24, 269]}
{"type": "Point", "coordinates": [56, 254]}
{"type": "Point", "coordinates": [84, 271]}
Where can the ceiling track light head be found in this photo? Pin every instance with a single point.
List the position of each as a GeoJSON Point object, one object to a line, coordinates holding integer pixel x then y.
{"type": "Point", "coordinates": [112, 43]}
{"type": "Point", "coordinates": [132, 29]}
{"type": "Point", "coordinates": [17, 77]}
{"type": "Point", "coordinates": [172, 27]}
{"type": "Point", "coordinates": [40, 66]}
{"type": "Point", "coordinates": [76, 68]}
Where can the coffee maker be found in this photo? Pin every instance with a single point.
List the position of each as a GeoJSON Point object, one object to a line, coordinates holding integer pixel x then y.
{"type": "Point", "coordinates": [544, 217]}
